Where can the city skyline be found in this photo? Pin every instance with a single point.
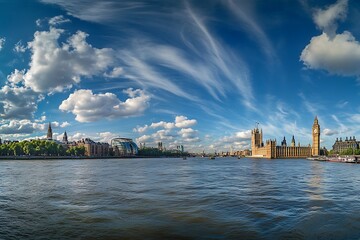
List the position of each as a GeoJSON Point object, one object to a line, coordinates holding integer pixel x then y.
{"type": "Point", "coordinates": [183, 73]}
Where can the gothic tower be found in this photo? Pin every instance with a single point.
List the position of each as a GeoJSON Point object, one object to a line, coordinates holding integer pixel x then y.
{"type": "Point", "coordinates": [49, 133]}
{"type": "Point", "coordinates": [293, 141]}
{"type": "Point", "coordinates": [256, 138]}
{"type": "Point", "coordinates": [316, 138]}
{"type": "Point", "coordinates": [65, 138]}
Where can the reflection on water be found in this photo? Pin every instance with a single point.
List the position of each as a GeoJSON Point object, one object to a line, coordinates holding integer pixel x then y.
{"type": "Point", "coordinates": [315, 181]}
{"type": "Point", "coordinates": [176, 199]}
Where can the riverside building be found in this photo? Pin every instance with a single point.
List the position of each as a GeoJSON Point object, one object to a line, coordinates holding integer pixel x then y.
{"type": "Point", "coordinates": [271, 150]}
{"type": "Point", "coordinates": [348, 143]}
{"type": "Point", "coordinates": [124, 147]}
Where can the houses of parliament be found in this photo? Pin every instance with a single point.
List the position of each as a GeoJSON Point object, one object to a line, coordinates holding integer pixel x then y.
{"type": "Point", "coordinates": [271, 150]}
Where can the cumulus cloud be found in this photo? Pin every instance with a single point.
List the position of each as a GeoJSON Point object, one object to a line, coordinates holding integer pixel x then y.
{"type": "Point", "coordinates": [89, 107]}
{"type": "Point", "coordinates": [64, 124]}
{"type": "Point", "coordinates": [329, 132]}
{"type": "Point", "coordinates": [18, 102]}
{"type": "Point", "coordinates": [163, 135]}
{"type": "Point", "coordinates": [140, 129]}
{"type": "Point", "coordinates": [243, 134]}
{"type": "Point", "coordinates": [184, 122]}
{"type": "Point", "coordinates": [55, 67]}
{"type": "Point", "coordinates": [19, 47]}
{"type": "Point", "coordinates": [97, 137]}
{"type": "Point", "coordinates": [106, 137]}
{"type": "Point", "coordinates": [326, 19]}
{"type": "Point", "coordinates": [16, 77]}
{"type": "Point", "coordinates": [180, 122]}
{"type": "Point", "coordinates": [166, 125]}
{"type": "Point", "coordinates": [144, 139]}
{"type": "Point", "coordinates": [57, 20]}
{"type": "Point", "coordinates": [25, 126]}
{"type": "Point", "coordinates": [335, 53]}
{"type": "Point", "coordinates": [2, 43]}
{"type": "Point", "coordinates": [172, 133]}
{"type": "Point", "coordinates": [77, 136]}
{"type": "Point", "coordinates": [340, 55]}
{"type": "Point", "coordinates": [189, 135]}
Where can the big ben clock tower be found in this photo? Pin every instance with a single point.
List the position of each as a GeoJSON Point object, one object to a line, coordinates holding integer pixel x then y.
{"type": "Point", "coordinates": [316, 138]}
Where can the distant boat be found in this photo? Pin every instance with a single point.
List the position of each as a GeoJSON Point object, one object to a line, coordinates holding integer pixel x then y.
{"type": "Point", "coordinates": [211, 158]}
{"type": "Point", "coordinates": [239, 157]}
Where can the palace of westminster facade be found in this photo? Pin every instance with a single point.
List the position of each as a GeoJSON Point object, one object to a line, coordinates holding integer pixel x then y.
{"type": "Point", "coordinates": [271, 150]}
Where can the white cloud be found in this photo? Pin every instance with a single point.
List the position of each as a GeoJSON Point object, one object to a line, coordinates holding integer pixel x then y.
{"type": "Point", "coordinates": [248, 21]}
{"type": "Point", "coordinates": [180, 122]}
{"type": "Point", "coordinates": [326, 18]}
{"type": "Point", "coordinates": [89, 107]}
{"type": "Point", "coordinates": [24, 126]}
{"type": "Point", "coordinates": [106, 137]}
{"type": "Point", "coordinates": [187, 132]}
{"type": "Point", "coordinates": [329, 132]}
{"type": "Point", "coordinates": [200, 59]}
{"type": "Point", "coordinates": [2, 43]}
{"type": "Point", "coordinates": [340, 55]}
{"type": "Point", "coordinates": [57, 20]}
{"type": "Point", "coordinates": [144, 139]}
{"type": "Point", "coordinates": [38, 22]}
{"type": "Point", "coordinates": [77, 136]}
{"type": "Point", "coordinates": [19, 47]}
{"type": "Point", "coordinates": [336, 53]}
{"type": "Point", "coordinates": [99, 11]}
{"type": "Point", "coordinates": [140, 129]}
{"type": "Point", "coordinates": [54, 68]}
{"type": "Point", "coordinates": [355, 118]}
{"type": "Point", "coordinates": [17, 102]}
{"type": "Point", "coordinates": [162, 124]}
{"type": "Point", "coordinates": [16, 77]}
{"type": "Point", "coordinates": [163, 135]}
{"type": "Point", "coordinates": [184, 122]}
{"type": "Point", "coordinates": [42, 119]}
{"type": "Point", "coordinates": [169, 134]}
{"type": "Point", "coordinates": [114, 73]}
{"type": "Point", "coordinates": [342, 104]}
{"type": "Point", "coordinates": [189, 135]}
{"type": "Point", "coordinates": [64, 124]}
{"type": "Point", "coordinates": [243, 134]}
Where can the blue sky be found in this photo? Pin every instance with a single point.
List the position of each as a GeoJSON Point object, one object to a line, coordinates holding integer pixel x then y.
{"type": "Point", "coordinates": [192, 73]}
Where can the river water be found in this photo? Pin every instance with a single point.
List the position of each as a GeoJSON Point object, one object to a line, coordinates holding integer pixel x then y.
{"type": "Point", "coordinates": [197, 198]}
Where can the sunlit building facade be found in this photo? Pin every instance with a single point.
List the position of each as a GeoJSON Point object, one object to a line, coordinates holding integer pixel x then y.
{"type": "Point", "coordinates": [271, 150]}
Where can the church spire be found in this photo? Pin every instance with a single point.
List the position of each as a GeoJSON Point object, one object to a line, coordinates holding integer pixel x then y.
{"type": "Point", "coordinates": [65, 138]}
{"type": "Point", "coordinates": [293, 141]}
{"type": "Point", "coordinates": [49, 133]}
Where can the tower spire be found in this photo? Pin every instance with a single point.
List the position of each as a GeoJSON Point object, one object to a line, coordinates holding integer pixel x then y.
{"type": "Point", "coordinates": [293, 141]}
{"type": "Point", "coordinates": [49, 133]}
{"type": "Point", "coordinates": [65, 138]}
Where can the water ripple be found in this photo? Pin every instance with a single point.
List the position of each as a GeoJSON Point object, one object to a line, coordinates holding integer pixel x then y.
{"type": "Point", "coordinates": [176, 199]}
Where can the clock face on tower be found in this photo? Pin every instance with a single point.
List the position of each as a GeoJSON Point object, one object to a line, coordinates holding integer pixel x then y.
{"type": "Point", "coordinates": [315, 130]}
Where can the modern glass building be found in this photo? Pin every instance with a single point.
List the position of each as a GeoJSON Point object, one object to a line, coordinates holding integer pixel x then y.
{"type": "Point", "coordinates": [124, 147]}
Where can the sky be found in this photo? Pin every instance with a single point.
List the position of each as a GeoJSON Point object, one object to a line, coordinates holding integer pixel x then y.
{"type": "Point", "coordinates": [195, 73]}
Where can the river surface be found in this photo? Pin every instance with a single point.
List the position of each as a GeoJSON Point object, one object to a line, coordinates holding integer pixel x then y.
{"type": "Point", "coordinates": [197, 198]}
